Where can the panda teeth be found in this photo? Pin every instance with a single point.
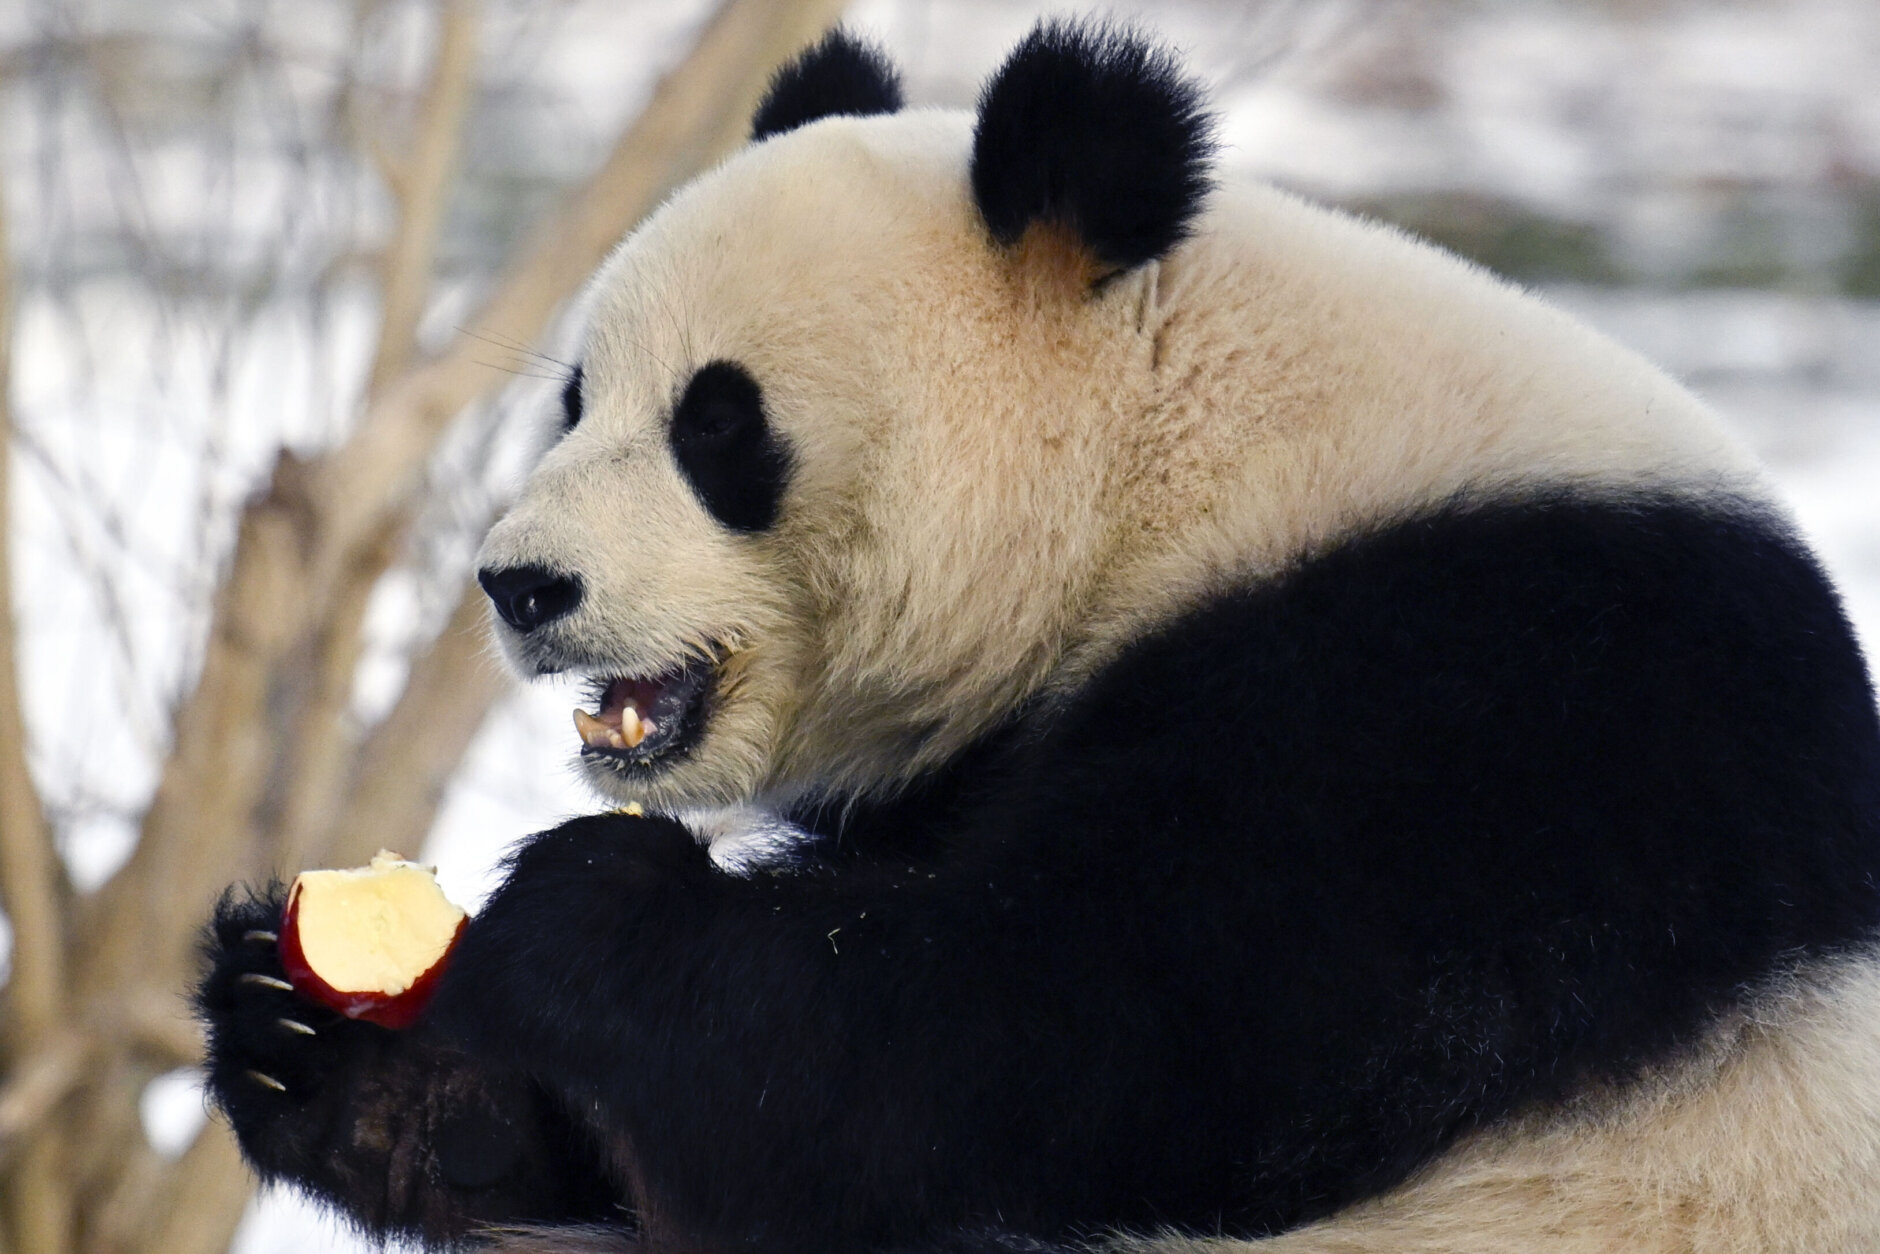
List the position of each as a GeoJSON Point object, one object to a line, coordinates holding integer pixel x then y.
{"type": "Point", "coordinates": [593, 731]}
{"type": "Point", "coordinates": [600, 733]}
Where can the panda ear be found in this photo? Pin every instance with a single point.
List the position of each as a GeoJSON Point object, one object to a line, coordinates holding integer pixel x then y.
{"type": "Point", "coordinates": [839, 74]}
{"type": "Point", "coordinates": [1090, 128]}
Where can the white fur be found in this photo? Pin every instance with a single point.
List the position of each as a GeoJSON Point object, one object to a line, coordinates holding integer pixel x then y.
{"type": "Point", "coordinates": [744, 840]}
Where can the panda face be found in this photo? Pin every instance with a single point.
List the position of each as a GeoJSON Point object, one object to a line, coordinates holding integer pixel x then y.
{"type": "Point", "coordinates": [807, 546]}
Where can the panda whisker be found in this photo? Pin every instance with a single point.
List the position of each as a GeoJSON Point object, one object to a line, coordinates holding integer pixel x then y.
{"type": "Point", "coordinates": [520, 372]}
{"type": "Point", "coordinates": [518, 347]}
{"type": "Point", "coordinates": [663, 294]}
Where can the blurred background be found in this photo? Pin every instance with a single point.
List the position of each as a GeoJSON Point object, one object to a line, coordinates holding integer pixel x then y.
{"type": "Point", "coordinates": [289, 284]}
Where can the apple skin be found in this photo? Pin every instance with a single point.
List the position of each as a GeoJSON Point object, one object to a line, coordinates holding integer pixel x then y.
{"type": "Point", "coordinates": [395, 1010]}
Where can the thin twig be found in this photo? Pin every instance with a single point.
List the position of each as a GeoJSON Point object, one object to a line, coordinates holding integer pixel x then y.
{"type": "Point", "coordinates": [422, 187]}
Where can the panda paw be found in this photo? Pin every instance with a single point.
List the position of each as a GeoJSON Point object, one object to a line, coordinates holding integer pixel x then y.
{"type": "Point", "coordinates": [271, 1052]}
{"type": "Point", "coordinates": [408, 1135]}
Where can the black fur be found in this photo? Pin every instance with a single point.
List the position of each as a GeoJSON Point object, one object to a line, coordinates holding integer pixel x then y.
{"type": "Point", "coordinates": [1095, 129]}
{"type": "Point", "coordinates": [1457, 817]}
{"type": "Point", "coordinates": [838, 75]}
{"type": "Point", "coordinates": [727, 449]}
{"type": "Point", "coordinates": [572, 401]}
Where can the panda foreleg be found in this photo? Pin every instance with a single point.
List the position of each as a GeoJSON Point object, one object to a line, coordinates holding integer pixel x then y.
{"type": "Point", "coordinates": [407, 1135]}
{"type": "Point", "coordinates": [850, 1058]}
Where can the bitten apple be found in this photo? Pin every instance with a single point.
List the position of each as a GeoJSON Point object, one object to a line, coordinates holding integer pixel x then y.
{"type": "Point", "coordinates": [369, 942]}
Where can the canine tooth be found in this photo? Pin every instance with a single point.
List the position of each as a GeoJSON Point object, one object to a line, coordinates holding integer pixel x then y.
{"type": "Point", "coordinates": [632, 729]}
{"type": "Point", "coordinates": [591, 730]}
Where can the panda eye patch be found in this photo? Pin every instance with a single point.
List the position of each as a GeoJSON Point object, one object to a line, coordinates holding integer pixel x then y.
{"type": "Point", "coordinates": [727, 449]}
{"type": "Point", "coordinates": [571, 401]}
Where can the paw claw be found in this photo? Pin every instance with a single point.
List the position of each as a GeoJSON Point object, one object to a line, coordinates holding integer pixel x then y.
{"type": "Point", "coordinates": [295, 1025]}
{"type": "Point", "coordinates": [260, 936]}
{"type": "Point", "coordinates": [266, 981]}
{"type": "Point", "coordinates": [266, 1081]}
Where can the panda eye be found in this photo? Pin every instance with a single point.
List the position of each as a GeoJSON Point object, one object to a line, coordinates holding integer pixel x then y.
{"type": "Point", "coordinates": [719, 420]}
{"type": "Point", "coordinates": [727, 449]}
{"type": "Point", "coordinates": [571, 401]}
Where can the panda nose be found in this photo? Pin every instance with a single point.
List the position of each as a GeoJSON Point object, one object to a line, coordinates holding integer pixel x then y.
{"type": "Point", "coordinates": [528, 596]}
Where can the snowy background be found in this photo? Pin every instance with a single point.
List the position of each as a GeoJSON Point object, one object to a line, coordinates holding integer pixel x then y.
{"type": "Point", "coordinates": [1702, 180]}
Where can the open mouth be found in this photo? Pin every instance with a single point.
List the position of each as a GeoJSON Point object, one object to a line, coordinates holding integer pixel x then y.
{"type": "Point", "coordinates": [640, 719]}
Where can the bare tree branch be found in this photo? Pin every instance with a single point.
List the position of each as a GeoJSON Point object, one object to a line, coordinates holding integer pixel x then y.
{"type": "Point", "coordinates": [41, 1197]}
{"type": "Point", "coordinates": [421, 188]}
{"type": "Point", "coordinates": [36, 1084]}
{"type": "Point", "coordinates": [149, 1022]}
{"type": "Point", "coordinates": [320, 747]}
{"type": "Point", "coordinates": [136, 1195]}
{"type": "Point", "coordinates": [297, 540]}
{"type": "Point", "coordinates": [200, 1200]}
{"type": "Point", "coordinates": [700, 110]}
{"type": "Point", "coordinates": [264, 769]}
{"type": "Point", "coordinates": [153, 1023]}
{"type": "Point", "coordinates": [406, 762]}
{"type": "Point", "coordinates": [32, 886]}
{"type": "Point", "coordinates": [197, 830]}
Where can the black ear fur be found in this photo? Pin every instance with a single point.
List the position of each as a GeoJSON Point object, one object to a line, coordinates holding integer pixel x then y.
{"type": "Point", "coordinates": [1092, 127]}
{"type": "Point", "coordinates": [838, 74]}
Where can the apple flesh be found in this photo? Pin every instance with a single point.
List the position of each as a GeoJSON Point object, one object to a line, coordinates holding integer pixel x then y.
{"type": "Point", "coordinates": [369, 942]}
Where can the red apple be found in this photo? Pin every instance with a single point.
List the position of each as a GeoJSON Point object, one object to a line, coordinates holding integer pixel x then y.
{"type": "Point", "coordinates": [369, 942]}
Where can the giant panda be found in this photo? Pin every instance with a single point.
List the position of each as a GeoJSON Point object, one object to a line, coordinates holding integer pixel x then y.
{"type": "Point", "coordinates": [1172, 718]}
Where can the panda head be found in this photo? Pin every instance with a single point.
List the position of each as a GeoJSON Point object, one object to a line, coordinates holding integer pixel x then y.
{"type": "Point", "coordinates": [831, 489]}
